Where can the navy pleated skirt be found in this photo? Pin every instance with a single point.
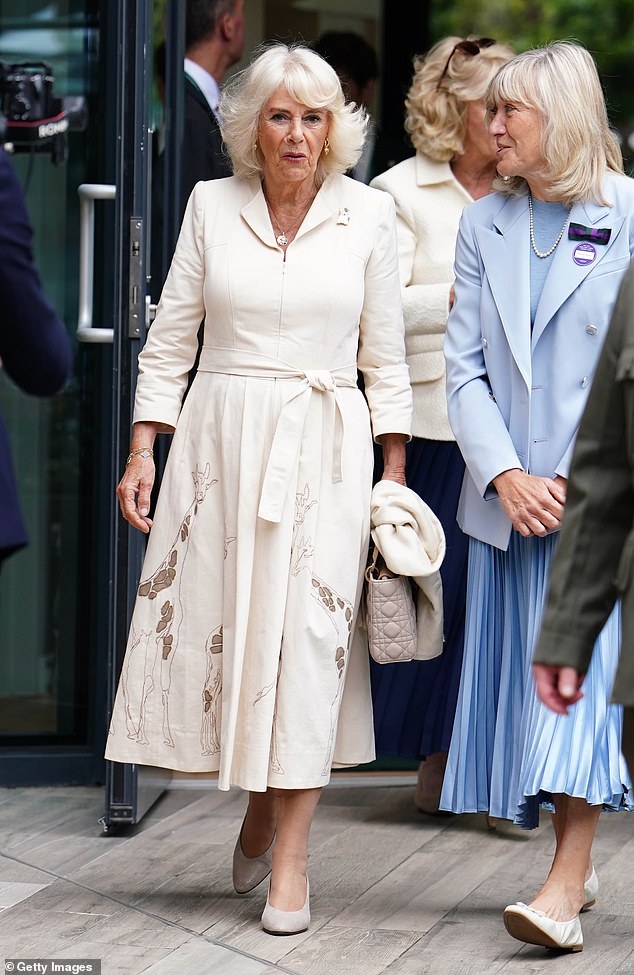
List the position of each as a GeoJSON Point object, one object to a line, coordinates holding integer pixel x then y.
{"type": "Point", "coordinates": [415, 703]}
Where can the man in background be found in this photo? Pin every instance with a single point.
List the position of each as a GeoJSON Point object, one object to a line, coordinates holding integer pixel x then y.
{"type": "Point", "coordinates": [214, 41]}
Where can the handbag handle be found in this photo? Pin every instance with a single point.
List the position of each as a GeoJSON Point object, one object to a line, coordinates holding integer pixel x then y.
{"type": "Point", "coordinates": [377, 568]}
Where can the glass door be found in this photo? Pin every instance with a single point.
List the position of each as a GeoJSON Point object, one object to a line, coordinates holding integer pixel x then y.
{"type": "Point", "coordinates": [65, 599]}
{"type": "Point", "coordinates": [50, 676]}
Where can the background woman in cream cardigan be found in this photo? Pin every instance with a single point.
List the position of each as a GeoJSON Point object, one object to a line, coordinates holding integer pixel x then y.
{"type": "Point", "coordinates": [454, 165]}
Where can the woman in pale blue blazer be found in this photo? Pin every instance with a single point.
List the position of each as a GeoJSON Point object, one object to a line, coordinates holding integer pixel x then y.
{"type": "Point", "coordinates": [538, 266]}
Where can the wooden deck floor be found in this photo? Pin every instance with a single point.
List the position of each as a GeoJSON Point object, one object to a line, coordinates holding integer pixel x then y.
{"type": "Point", "coordinates": [392, 891]}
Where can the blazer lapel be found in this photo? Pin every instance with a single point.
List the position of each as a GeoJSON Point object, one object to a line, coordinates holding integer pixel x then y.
{"type": "Point", "coordinates": [564, 275]}
{"type": "Point", "coordinates": [505, 257]}
{"type": "Point", "coordinates": [328, 202]}
{"type": "Point", "coordinates": [256, 214]}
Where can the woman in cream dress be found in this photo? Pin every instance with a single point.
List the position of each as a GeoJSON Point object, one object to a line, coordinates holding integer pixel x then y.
{"type": "Point", "coordinates": [241, 656]}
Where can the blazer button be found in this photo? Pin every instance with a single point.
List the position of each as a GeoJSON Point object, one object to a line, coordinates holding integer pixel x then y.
{"type": "Point", "coordinates": [485, 344]}
{"type": "Point", "coordinates": [591, 329]}
{"type": "Point", "coordinates": [585, 382]}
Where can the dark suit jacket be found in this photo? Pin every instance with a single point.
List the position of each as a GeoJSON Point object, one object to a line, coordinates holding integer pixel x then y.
{"type": "Point", "coordinates": [203, 155]}
{"type": "Point", "coordinates": [202, 158]}
{"type": "Point", "coordinates": [34, 346]}
{"type": "Point", "coordinates": [594, 561]}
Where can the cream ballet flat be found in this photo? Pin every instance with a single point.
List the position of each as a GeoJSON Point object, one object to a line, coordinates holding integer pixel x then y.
{"type": "Point", "coordinates": [275, 921]}
{"type": "Point", "coordinates": [536, 928]}
{"type": "Point", "coordinates": [248, 872]}
{"type": "Point", "coordinates": [590, 891]}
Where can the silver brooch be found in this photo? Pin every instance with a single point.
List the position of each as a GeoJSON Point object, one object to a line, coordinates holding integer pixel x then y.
{"type": "Point", "coordinates": [344, 217]}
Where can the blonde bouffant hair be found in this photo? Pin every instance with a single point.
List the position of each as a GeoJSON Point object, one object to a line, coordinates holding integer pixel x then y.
{"type": "Point", "coordinates": [309, 80]}
{"type": "Point", "coordinates": [561, 81]}
{"type": "Point", "coordinates": [436, 104]}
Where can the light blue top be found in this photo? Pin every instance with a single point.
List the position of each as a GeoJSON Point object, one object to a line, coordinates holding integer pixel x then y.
{"type": "Point", "coordinates": [548, 219]}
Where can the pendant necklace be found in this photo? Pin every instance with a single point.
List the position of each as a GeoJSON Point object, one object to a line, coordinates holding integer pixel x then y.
{"type": "Point", "coordinates": [539, 253]}
{"type": "Point", "coordinates": [282, 236]}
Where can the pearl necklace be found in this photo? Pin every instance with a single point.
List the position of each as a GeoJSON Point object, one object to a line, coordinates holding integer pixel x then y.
{"type": "Point", "coordinates": [532, 230]}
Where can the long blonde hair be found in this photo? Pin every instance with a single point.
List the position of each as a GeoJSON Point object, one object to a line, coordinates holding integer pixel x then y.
{"type": "Point", "coordinates": [561, 81]}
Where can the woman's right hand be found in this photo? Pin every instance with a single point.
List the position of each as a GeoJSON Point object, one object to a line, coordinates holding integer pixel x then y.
{"type": "Point", "coordinates": [134, 490]}
{"type": "Point", "coordinates": [135, 487]}
{"type": "Point", "coordinates": [535, 505]}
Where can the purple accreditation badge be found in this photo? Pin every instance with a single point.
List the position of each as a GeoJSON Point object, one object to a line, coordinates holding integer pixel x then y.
{"type": "Point", "coordinates": [584, 253]}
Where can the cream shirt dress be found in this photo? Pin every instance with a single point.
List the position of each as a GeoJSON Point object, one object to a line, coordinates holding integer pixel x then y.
{"type": "Point", "coordinates": [244, 655]}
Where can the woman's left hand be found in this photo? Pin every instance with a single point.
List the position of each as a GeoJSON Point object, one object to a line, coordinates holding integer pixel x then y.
{"type": "Point", "coordinates": [534, 505]}
{"type": "Point", "coordinates": [393, 445]}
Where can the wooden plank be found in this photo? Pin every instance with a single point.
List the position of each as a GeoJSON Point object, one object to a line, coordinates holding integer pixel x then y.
{"type": "Point", "coordinates": [14, 893]}
{"type": "Point", "coordinates": [203, 958]}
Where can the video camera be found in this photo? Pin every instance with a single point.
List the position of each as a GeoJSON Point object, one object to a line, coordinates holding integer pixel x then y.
{"type": "Point", "coordinates": [32, 118]}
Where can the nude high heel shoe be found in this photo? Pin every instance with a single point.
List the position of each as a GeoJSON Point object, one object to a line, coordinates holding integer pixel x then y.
{"type": "Point", "coordinates": [275, 921]}
{"type": "Point", "coordinates": [248, 872]}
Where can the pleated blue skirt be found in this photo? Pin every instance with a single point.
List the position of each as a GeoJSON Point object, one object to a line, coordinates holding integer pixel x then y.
{"type": "Point", "coordinates": [509, 753]}
{"type": "Point", "coordinates": [414, 703]}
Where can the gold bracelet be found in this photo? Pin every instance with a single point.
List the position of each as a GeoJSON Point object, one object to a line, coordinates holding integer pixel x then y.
{"type": "Point", "coordinates": [139, 452]}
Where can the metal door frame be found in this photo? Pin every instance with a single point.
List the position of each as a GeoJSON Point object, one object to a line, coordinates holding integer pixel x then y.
{"type": "Point", "coordinates": [130, 789]}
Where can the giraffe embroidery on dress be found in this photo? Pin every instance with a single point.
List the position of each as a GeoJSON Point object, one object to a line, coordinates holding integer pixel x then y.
{"type": "Point", "coordinates": [302, 550]}
{"type": "Point", "coordinates": [211, 697]}
{"type": "Point", "coordinates": [340, 613]}
{"type": "Point", "coordinates": [274, 760]}
{"type": "Point", "coordinates": [135, 722]}
{"type": "Point", "coordinates": [167, 579]}
{"type": "Point", "coordinates": [302, 546]}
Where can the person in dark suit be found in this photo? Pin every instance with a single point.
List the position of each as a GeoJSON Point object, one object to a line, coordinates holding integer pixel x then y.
{"type": "Point", "coordinates": [214, 41]}
{"type": "Point", "coordinates": [592, 567]}
{"type": "Point", "coordinates": [34, 345]}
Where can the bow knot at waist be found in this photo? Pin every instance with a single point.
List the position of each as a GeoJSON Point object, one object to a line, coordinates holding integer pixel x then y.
{"type": "Point", "coordinates": [284, 451]}
{"type": "Point", "coordinates": [321, 380]}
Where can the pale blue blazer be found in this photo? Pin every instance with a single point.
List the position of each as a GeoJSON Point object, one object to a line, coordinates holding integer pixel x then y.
{"type": "Point", "coordinates": [516, 399]}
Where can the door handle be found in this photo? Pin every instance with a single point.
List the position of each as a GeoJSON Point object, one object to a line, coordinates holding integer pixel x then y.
{"type": "Point", "coordinates": [88, 193]}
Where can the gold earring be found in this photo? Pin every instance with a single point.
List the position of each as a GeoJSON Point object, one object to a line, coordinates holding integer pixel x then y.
{"type": "Point", "coordinates": [326, 147]}
{"type": "Point", "coordinates": [255, 147]}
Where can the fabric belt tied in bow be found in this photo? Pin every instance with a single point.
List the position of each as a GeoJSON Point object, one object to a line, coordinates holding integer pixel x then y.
{"type": "Point", "coordinates": [290, 423]}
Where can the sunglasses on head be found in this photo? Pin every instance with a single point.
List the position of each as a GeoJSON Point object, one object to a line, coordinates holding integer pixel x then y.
{"type": "Point", "coordinates": [470, 48]}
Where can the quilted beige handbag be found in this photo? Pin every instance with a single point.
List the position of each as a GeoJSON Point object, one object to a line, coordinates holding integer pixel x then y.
{"type": "Point", "coordinates": [390, 614]}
